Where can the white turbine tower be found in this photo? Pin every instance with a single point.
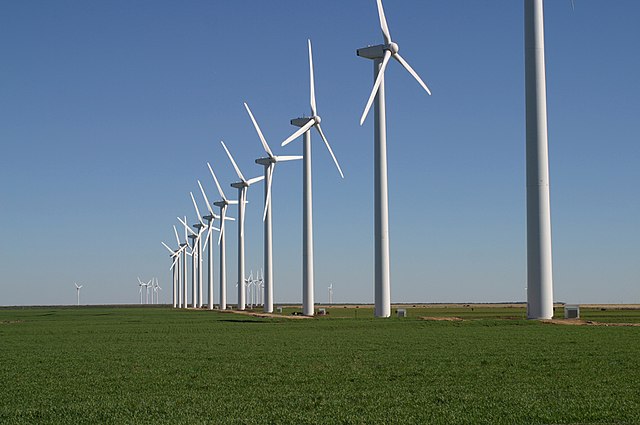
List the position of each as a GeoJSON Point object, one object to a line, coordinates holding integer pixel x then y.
{"type": "Point", "coordinates": [223, 205]}
{"type": "Point", "coordinates": [539, 255]}
{"type": "Point", "coordinates": [185, 253]}
{"type": "Point", "coordinates": [147, 285]}
{"type": "Point", "coordinates": [242, 186]}
{"type": "Point", "coordinates": [78, 292]}
{"type": "Point", "coordinates": [209, 241]}
{"type": "Point", "coordinates": [269, 163]}
{"type": "Point", "coordinates": [305, 125]}
{"type": "Point", "coordinates": [380, 55]}
{"type": "Point", "coordinates": [331, 294]}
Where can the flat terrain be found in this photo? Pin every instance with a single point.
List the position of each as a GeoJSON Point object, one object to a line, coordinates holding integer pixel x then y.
{"type": "Point", "coordinates": [158, 365]}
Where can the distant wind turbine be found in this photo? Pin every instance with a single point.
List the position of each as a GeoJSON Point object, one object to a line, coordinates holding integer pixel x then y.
{"type": "Point", "coordinates": [141, 284]}
{"type": "Point", "coordinates": [223, 204]}
{"type": "Point", "coordinates": [201, 226]}
{"type": "Point", "coordinates": [242, 186]}
{"type": "Point", "coordinates": [78, 291]}
{"type": "Point", "coordinates": [209, 241]}
{"type": "Point", "coordinates": [194, 258]}
{"type": "Point", "coordinates": [176, 256]}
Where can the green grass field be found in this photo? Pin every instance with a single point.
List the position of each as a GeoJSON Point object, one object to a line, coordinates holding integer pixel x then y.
{"type": "Point", "coordinates": [157, 365]}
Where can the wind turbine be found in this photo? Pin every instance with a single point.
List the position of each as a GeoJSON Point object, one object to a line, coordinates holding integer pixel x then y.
{"type": "Point", "coordinates": [148, 284]}
{"type": "Point", "coordinates": [158, 288]}
{"type": "Point", "coordinates": [248, 285]}
{"type": "Point", "coordinates": [305, 125]}
{"type": "Point", "coordinates": [242, 186]}
{"type": "Point", "coordinates": [182, 272]}
{"type": "Point", "coordinates": [223, 205]}
{"type": "Point", "coordinates": [153, 289]}
{"type": "Point", "coordinates": [331, 294]}
{"type": "Point", "coordinates": [175, 268]}
{"type": "Point", "coordinates": [269, 162]}
{"type": "Point", "coordinates": [141, 284]}
{"type": "Point", "coordinates": [194, 258]}
{"type": "Point", "coordinates": [380, 54]}
{"type": "Point", "coordinates": [209, 241]}
{"type": "Point", "coordinates": [78, 292]}
{"type": "Point", "coordinates": [185, 252]}
{"type": "Point", "coordinates": [200, 227]}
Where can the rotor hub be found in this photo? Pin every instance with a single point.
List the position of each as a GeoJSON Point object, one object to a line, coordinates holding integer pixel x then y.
{"type": "Point", "coordinates": [317, 119]}
{"type": "Point", "coordinates": [393, 47]}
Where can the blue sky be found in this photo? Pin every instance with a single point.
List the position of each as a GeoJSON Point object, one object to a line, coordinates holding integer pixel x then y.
{"type": "Point", "coordinates": [110, 111]}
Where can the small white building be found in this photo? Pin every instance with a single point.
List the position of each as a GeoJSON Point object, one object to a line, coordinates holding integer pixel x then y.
{"type": "Point", "coordinates": [571, 311]}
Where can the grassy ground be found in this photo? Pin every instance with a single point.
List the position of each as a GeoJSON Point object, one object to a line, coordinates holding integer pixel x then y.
{"type": "Point", "coordinates": [129, 365]}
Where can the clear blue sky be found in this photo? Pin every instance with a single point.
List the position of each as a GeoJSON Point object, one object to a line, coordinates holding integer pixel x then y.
{"type": "Point", "coordinates": [109, 112]}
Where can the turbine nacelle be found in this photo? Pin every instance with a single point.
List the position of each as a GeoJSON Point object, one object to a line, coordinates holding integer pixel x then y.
{"type": "Point", "coordinates": [266, 161]}
{"type": "Point", "coordinates": [222, 204]}
{"type": "Point", "coordinates": [240, 184]}
{"type": "Point", "coordinates": [372, 52]}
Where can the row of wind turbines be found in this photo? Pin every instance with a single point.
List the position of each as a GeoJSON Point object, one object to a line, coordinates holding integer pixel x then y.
{"type": "Point", "coordinates": [539, 276]}
{"type": "Point", "coordinates": [152, 286]}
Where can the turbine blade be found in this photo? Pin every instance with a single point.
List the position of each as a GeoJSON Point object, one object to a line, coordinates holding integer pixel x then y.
{"type": "Point", "coordinates": [186, 226]}
{"type": "Point", "coordinates": [326, 142]}
{"type": "Point", "coordinates": [267, 199]}
{"type": "Point", "coordinates": [299, 132]}
{"type": "Point", "coordinates": [167, 246]}
{"type": "Point", "coordinates": [235, 166]}
{"type": "Point", "coordinates": [206, 240]}
{"type": "Point", "coordinates": [173, 264]}
{"type": "Point", "coordinates": [176, 232]}
{"type": "Point", "coordinates": [223, 214]}
{"type": "Point", "coordinates": [265, 145]}
{"type": "Point", "coordinates": [287, 158]}
{"type": "Point", "coordinates": [255, 180]}
{"type": "Point", "coordinates": [197, 210]}
{"type": "Point", "coordinates": [383, 23]}
{"type": "Point", "coordinates": [186, 235]}
{"type": "Point", "coordinates": [312, 88]}
{"type": "Point", "coordinates": [206, 200]}
{"type": "Point", "coordinates": [573, 5]}
{"type": "Point", "coordinates": [385, 61]}
{"type": "Point", "coordinates": [412, 72]}
{"type": "Point", "coordinates": [215, 179]}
